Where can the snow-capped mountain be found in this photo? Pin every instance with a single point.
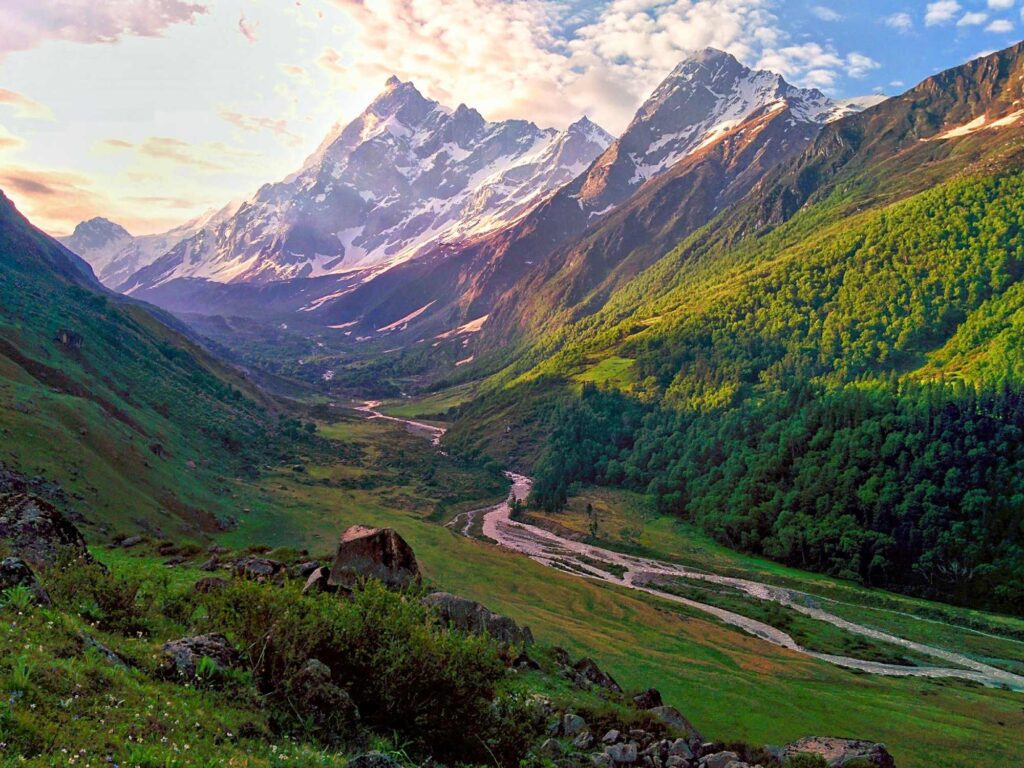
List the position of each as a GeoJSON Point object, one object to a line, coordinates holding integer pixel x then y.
{"type": "Point", "coordinates": [404, 176]}
{"type": "Point", "coordinates": [705, 97]}
{"type": "Point", "coordinates": [115, 254]}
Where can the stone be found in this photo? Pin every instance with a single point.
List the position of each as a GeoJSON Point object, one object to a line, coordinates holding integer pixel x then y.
{"type": "Point", "coordinates": [648, 699]}
{"type": "Point", "coordinates": [561, 657]}
{"type": "Point", "coordinates": [37, 532]}
{"type": "Point", "coordinates": [102, 650]}
{"type": "Point", "coordinates": [523, 661]}
{"type": "Point", "coordinates": [132, 541]}
{"type": "Point", "coordinates": [584, 741]}
{"type": "Point", "coordinates": [588, 673]}
{"type": "Point", "coordinates": [573, 724]}
{"type": "Point", "coordinates": [551, 748]}
{"type": "Point", "coordinates": [719, 760]}
{"type": "Point", "coordinates": [676, 761]}
{"type": "Point", "coordinates": [680, 748]}
{"type": "Point", "coordinates": [303, 570]}
{"type": "Point", "coordinates": [838, 752]}
{"type": "Point", "coordinates": [374, 553]}
{"type": "Point", "coordinates": [470, 616]}
{"type": "Point", "coordinates": [182, 657]}
{"type": "Point", "coordinates": [373, 760]}
{"type": "Point", "coordinates": [258, 568]}
{"type": "Point", "coordinates": [318, 581]}
{"type": "Point", "coordinates": [600, 760]}
{"type": "Point", "coordinates": [622, 754]}
{"type": "Point", "coordinates": [171, 562]}
{"type": "Point", "coordinates": [210, 584]}
{"type": "Point", "coordinates": [611, 737]}
{"type": "Point", "coordinates": [15, 572]}
{"type": "Point", "coordinates": [322, 703]}
{"type": "Point", "coordinates": [210, 565]}
{"type": "Point", "coordinates": [675, 721]}
{"type": "Point", "coordinates": [641, 737]}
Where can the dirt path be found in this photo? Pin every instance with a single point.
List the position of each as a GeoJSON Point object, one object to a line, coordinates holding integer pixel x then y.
{"type": "Point", "coordinates": [642, 574]}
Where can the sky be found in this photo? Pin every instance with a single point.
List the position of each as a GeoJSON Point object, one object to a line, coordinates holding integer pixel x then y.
{"type": "Point", "coordinates": [150, 112]}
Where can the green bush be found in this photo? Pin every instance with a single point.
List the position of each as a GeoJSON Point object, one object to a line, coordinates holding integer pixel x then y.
{"type": "Point", "coordinates": [111, 602]}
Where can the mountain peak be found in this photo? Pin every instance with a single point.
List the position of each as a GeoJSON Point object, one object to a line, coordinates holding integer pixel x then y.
{"type": "Point", "coordinates": [392, 82]}
{"type": "Point", "coordinates": [98, 227]}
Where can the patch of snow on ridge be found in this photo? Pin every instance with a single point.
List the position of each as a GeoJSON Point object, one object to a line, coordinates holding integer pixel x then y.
{"type": "Point", "coordinates": [407, 319]}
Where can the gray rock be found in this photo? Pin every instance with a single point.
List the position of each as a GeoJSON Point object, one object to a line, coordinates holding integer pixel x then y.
{"type": "Point", "coordinates": [15, 572]}
{"type": "Point", "coordinates": [648, 699]}
{"type": "Point", "coordinates": [622, 753]}
{"type": "Point", "coordinates": [680, 748]}
{"type": "Point", "coordinates": [210, 584]}
{"type": "Point", "coordinates": [132, 541]}
{"type": "Point", "coordinates": [374, 553]}
{"type": "Point", "coordinates": [588, 673]}
{"type": "Point", "coordinates": [303, 570]}
{"type": "Point", "coordinates": [182, 657]}
{"type": "Point", "coordinates": [469, 616]}
{"type": "Point", "coordinates": [551, 748]}
{"type": "Point", "coordinates": [210, 565]}
{"type": "Point", "coordinates": [583, 741]}
{"type": "Point", "coordinates": [612, 737]}
{"type": "Point", "coordinates": [258, 568]}
{"type": "Point", "coordinates": [719, 760]}
{"type": "Point", "coordinates": [318, 581]}
{"type": "Point", "coordinates": [600, 760]}
{"type": "Point", "coordinates": [573, 724]}
{"type": "Point", "coordinates": [102, 650]}
{"type": "Point", "coordinates": [675, 721]}
{"type": "Point", "coordinates": [676, 761]}
{"type": "Point", "coordinates": [838, 752]}
{"type": "Point", "coordinates": [322, 703]}
{"type": "Point", "coordinates": [38, 533]}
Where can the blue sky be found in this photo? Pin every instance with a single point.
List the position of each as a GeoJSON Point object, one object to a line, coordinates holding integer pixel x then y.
{"type": "Point", "coordinates": [152, 111]}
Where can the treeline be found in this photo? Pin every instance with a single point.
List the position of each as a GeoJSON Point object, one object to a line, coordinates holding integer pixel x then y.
{"type": "Point", "coordinates": [913, 487]}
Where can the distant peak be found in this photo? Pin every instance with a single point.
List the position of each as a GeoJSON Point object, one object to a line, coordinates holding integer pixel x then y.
{"type": "Point", "coordinates": [587, 127]}
{"type": "Point", "coordinates": [392, 82]}
{"type": "Point", "coordinates": [97, 224]}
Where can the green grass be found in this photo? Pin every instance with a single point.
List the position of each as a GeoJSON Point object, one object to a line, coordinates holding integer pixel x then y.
{"type": "Point", "coordinates": [613, 371]}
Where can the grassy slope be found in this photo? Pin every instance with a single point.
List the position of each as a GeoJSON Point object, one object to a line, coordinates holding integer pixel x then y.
{"type": "Point", "coordinates": [731, 685]}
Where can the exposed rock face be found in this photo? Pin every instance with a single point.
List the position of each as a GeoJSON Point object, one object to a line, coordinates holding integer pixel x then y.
{"type": "Point", "coordinates": [648, 699]}
{"type": "Point", "coordinates": [469, 616]}
{"type": "Point", "coordinates": [588, 673]}
{"type": "Point", "coordinates": [318, 581]}
{"type": "Point", "coordinates": [839, 752]}
{"type": "Point", "coordinates": [36, 531]}
{"type": "Point", "coordinates": [15, 572]}
{"type": "Point", "coordinates": [373, 553]}
{"type": "Point", "coordinates": [182, 657]}
{"type": "Point", "coordinates": [674, 719]}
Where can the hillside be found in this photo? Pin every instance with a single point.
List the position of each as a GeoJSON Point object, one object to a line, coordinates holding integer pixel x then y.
{"type": "Point", "coordinates": [110, 400]}
{"type": "Point", "coordinates": [812, 375]}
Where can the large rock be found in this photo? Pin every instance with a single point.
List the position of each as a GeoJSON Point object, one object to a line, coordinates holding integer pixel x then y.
{"type": "Point", "coordinates": [373, 553]}
{"type": "Point", "coordinates": [587, 673]}
{"type": "Point", "coordinates": [839, 752]}
{"type": "Point", "coordinates": [321, 703]}
{"type": "Point", "coordinates": [719, 760]}
{"type": "Point", "coordinates": [469, 616]}
{"type": "Point", "coordinates": [648, 699]}
{"type": "Point", "coordinates": [622, 754]}
{"type": "Point", "coordinates": [674, 720]}
{"type": "Point", "coordinates": [15, 572]}
{"type": "Point", "coordinates": [258, 568]}
{"type": "Point", "coordinates": [37, 532]}
{"type": "Point", "coordinates": [182, 657]}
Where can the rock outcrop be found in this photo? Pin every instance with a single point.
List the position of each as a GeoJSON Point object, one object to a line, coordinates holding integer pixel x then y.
{"type": "Point", "coordinates": [258, 568]}
{"type": "Point", "coordinates": [841, 752]}
{"type": "Point", "coordinates": [15, 572]}
{"type": "Point", "coordinates": [37, 532]}
{"type": "Point", "coordinates": [182, 657]}
{"type": "Point", "coordinates": [373, 553]}
{"type": "Point", "coordinates": [588, 674]}
{"type": "Point", "coordinates": [469, 616]}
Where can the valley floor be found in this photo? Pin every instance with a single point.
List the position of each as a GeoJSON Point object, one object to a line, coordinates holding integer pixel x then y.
{"type": "Point", "coordinates": [725, 680]}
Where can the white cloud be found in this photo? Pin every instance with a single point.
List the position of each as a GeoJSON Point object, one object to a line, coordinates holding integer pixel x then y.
{"type": "Point", "coordinates": [815, 65]}
{"type": "Point", "coordinates": [1000, 5]}
{"type": "Point", "coordinates": [1000, 26]}
{"type": "Point", "coordinates": [24, 106]}
{"type": "Point", "coordinates": [901, 22]}
{"type": "Point", "coordinates": [972, 19]}
{"type": "Point", "coordinates": [28, 23]}
{"type": "Point", "coordinates": [826, 14]}
{"type": "Point", "coordinates": [941, 12]}
{"type": "Point", "coordinates": [858, 65]}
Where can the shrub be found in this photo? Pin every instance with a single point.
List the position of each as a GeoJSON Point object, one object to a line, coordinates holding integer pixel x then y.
{"type": "Point", "coordinates": [111, 602]}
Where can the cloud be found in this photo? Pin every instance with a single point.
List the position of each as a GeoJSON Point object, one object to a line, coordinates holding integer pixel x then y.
{"type": "Point", "coordinates": [24, 106]}
{"type": "Point", "coordinates": [826, 14]}
{"type": "Point", "coordinates": [256, 123]}
{"type": "Point", "coordinates": [247, 28]}
{"type": "Point", "coordinates": [212, 157]}
{"type": "Point", "coordinates": [858, 65]}
{"type": "Point", "coordinates": [53, 200]}
{"type": "Point", "coordinates": [901, 22]}
{"type": "Point", "coordinates": [972, 19]}
{"type": "Point", "coordinates": [941, 12]}
{"type": "Point", "coordinates": [8, 141]}
{"type": "Point", "coordinates": [29, 23]}
{"type": "Point", "coordinates": [1001, 5]}
{"type": "Point", "coordinates": [1000, 26]}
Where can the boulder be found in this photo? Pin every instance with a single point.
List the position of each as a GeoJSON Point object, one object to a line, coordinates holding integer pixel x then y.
{"type": "Point", "coordinates": [611, 737]}
{"type": "Point", "coordinates": [648, 699]}
{"type": "Point", "coordinates": [622, 754]}
{"type": "Point", "coordinates": [212, 564]}
{"type": "Point", "coordinates": [719, 760]}
{"type": "Point", "coordinates": [469, 616]}
{"type": "Point", "coordinates": [132, 541]}
{"type": "Point", "coordinates": [674, 720]}
{"type": "Point", "coordinates": [588, 673]}
{"type": "Point", "coordinates": [318, 581]}
{"type": "Point", "coordinates": [680, 748]}
{"type": "Point", "coordinates": [37, 532]}
{"type": "Point", "coordinates": [321, 703]}
{"type": "Point", "coordinates": [551, 748]}
{"type": "Point", "coordinates": [583, 741]}
{"type": "Point", "coordinates": [257, 568]}
{"type": "Point", "coordinates": [15, 572]}
{"type": "Point", "coordinates": [373, 760]}
{"type": "Point", "coordinates": [182, 657]}
{"type": "Point", "coordinates": [303, 570]}
{"type": "Point", "coordinates": [373, 553]}
{"type": "Point", "coordinates": [573, 724]}
{"type": "Point", "coordinates": [838, 752]}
